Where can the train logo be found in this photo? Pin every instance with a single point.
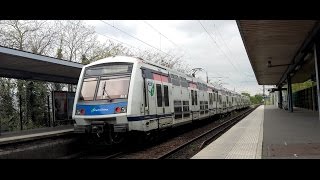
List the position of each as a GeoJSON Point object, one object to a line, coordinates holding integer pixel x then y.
{"type": "Point", "coordinates": [151, 88]}
{"type": "Point", "coordinates": [101, 109]}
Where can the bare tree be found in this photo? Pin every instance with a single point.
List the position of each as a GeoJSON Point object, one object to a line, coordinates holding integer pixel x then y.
{"type": "Point", "coordinates": [13, 33]}
{"type": "Point", "coordinates": [44, 38]}
{"type": "Point", "coordinates": [104, 50]}
{"type": "Point", "coordinates": [76, 39]}
{"type": "Point", "coordinates": [168, 60]}
{"type": "Point", "coordinates": [36, 37]}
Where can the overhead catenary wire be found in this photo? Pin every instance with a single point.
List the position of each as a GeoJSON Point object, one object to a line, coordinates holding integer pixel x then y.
{"type": "Point", "coordinates": [153, 46]}
{"type": "Point", "coordinates": [161, 34]}
{"type": "Point", "coordinates": [218, 34]}
{"type": "Point", "coordinates": [229, 60]}
{"type": "Point", "coordinates": [136, 38]}
{"type": "Point", "coordinates": [118, 40]}
{"type": "Point", "coordinates": [216, 27]}
{"type": "Point", "coordinates": [219, 47]}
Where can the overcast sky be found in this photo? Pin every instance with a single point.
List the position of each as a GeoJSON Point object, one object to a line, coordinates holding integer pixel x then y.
{"type": "Point", "coordinates": [221, 55]}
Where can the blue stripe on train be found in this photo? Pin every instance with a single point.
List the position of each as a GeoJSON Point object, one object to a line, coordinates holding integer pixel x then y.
{"type": "Point", "coordinates": [140, 118]}
{"type": "Point", "coordinates": [101, 109]}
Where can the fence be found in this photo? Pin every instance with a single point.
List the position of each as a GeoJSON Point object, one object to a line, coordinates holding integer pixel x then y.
{"type": "Point", "coordinates": [51, 115]}
{"type": "Point", "coordinates": [306, 98]}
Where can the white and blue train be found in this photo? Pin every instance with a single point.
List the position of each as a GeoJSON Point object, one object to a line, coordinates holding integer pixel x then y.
{"type": "Point", "coordinates": [117, 95]}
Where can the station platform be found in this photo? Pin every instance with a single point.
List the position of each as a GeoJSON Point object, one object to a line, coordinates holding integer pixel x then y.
{"type": "Point", "coordinates": [242, 141]}
{"type": "Point", "coordinates": [293, 135]}
{"type": "Point", "coordinates": [269, 133]}
{"type": "Point", "coordinates": [32, 134]}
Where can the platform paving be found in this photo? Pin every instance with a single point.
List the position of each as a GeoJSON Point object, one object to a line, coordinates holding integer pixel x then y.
{"type": "Point", "coordinates": [242, 141]}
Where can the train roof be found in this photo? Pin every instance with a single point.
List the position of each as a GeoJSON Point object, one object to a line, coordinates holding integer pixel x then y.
{"type": "Point", "coordinates": [113, 59]}
{"type": "Point", "coordinates": [171, 71]}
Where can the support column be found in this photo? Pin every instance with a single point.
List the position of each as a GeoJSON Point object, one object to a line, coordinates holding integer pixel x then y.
{"type": "Point", "coordinates": [313, 100]}
{"type": "Point", "coordinates": [317, 66]}
{"type": "Point", "coordinates": [280, 97]}
{"type": "Point", "coordinates": [264, 99]}
{"type": "Point", "coordinates": [20, 109]}
{"type": "Point", "coordinates": [290, 103]}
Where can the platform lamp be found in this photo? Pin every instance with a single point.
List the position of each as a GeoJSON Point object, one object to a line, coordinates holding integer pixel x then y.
{"type": "Point", "coordinates": [270, 64]}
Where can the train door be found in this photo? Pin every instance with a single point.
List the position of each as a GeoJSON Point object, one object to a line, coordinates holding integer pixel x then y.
{"type": "Point", "coordinates": [194, 104]}
{"type": "Point", "coordinates": [150, 111]}
{"type": "Point", "coordinates": [163, 95]}
{"type": "Point", "coordinates": [210, 103]}
{"type": "Point", "coordinates": [149, 97]}
{"type": "Point", "coordinates": [213, 103]}
{"type": "Point", "coordinates": [220, 105]}
{"type": "Point", "coordinates": [217, 100]}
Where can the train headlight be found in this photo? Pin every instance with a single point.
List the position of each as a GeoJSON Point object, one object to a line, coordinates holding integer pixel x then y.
{"type": "Point", "coordinates": [123, 109]}
{"type": "Point", "coordinates": [80, 112]}
{"type": "Point", "coordinates": [118, 109]}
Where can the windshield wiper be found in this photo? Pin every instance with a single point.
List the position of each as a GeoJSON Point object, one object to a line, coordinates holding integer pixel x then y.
{"type": "Point", "coordinates": [105, 91]}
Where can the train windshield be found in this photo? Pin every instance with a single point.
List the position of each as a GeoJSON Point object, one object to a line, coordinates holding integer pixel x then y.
{"type": "Point", "coordinates": [106, 82]}
{"type": "Point", "coordinates": [114, 88]}
{"type": "Point", "coordinates": [87, 90]}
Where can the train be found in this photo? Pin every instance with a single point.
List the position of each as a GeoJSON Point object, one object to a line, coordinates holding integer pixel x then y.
{"type": "Point", "coordinates": [120, 95]}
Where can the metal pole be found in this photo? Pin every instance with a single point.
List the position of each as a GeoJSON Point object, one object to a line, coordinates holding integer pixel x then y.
{"type": "Point", "coordinates": [49, 118]}
{"type": "Point", "coordinates": [264, 99]}
{"type": "Point", "coordinates": [313, 98]}
{"type": "Point", "coordinates": [67, 107]}
{"type": "Point", "coordinates": [20, 104]}
{"type": "Point", "coordinates": [317, 66]}
{"type": "Point", "coordinates": [53, 109]}
{"type": "Point", "coordinates": [290, 103]}
{"type": "Point", "coordinates": [280, 97]}
{"type": "Point", "coordinates": [207, 77]}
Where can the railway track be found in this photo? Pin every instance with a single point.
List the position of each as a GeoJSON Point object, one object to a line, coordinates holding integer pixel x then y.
{"type": "Point", "coordinates": [107, 156]}
{"type": "Point", "coordinates": [95, 153]}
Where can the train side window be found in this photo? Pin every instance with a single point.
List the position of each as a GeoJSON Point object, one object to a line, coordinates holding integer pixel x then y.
{"type": "Point", "coordinates": [212, 98]}
{"type": "Point", "coordinates": [185, 106]}
{"type": "Point", "coordinates": [159, 95]}
{"type": "Point", "coordinates": [177, 109]}
{"type": "Point", "coordinates": [196, 98]}
{"type": "Point", "coordinates": [166, 95]}
{"type": "Point", "coordinates": [192, 97]}
{"type": "Point", "coordinates": [206, 106]}
{"type": "Point", "coordinates": [145, 92]}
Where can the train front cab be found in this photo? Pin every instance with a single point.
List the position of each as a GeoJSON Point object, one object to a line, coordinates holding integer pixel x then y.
{"type": "Point", "coordinates": [102, 98]}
